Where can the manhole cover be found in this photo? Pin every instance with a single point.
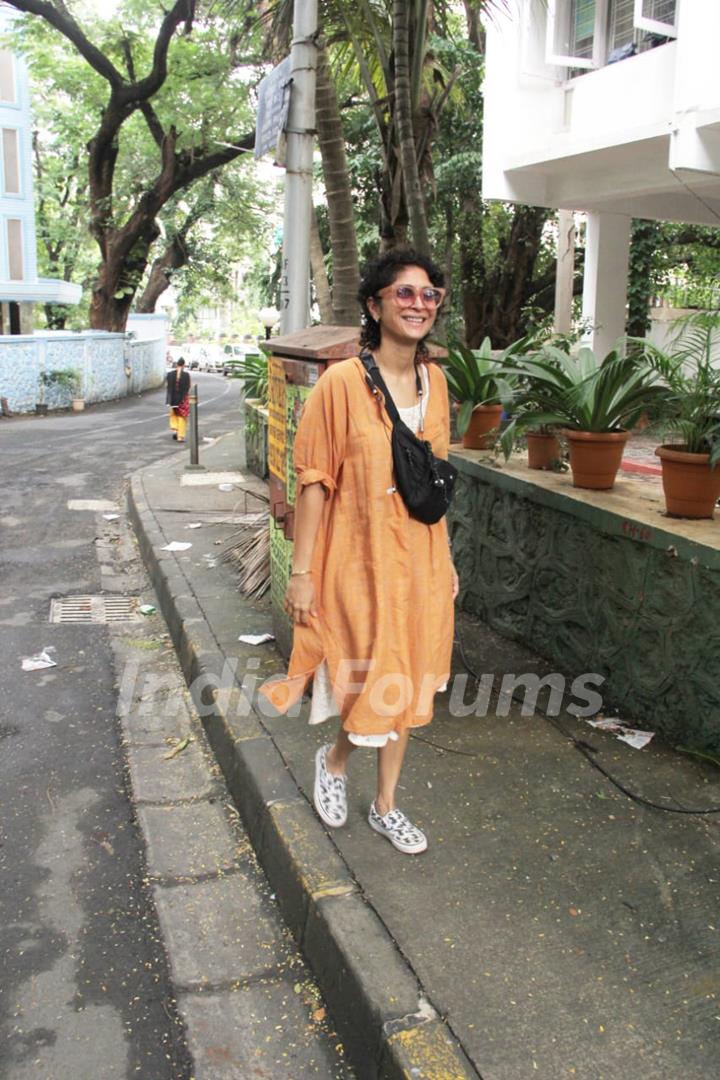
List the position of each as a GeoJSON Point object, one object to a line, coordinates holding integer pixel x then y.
{"type": "Point", "coordinates": [95, 609]}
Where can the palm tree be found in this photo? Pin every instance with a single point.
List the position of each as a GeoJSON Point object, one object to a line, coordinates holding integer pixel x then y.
{"type": "Point", "coordinates": [410, 51]}
{"type": "Point", "coordinates": [341, 217]}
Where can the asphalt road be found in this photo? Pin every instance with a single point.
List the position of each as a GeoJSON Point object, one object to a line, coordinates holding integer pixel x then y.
{"type": "Point", "coordinates": [80, 948]}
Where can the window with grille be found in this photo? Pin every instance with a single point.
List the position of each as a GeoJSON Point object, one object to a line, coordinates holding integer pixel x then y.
{"type": "Point", "coordinates": [582, 25]}
{"type": "Point", "coordinates": [622, 24]}
{"type": "Point", "coordinates": [582, 34]}
{"type": "Point", "coordinates": [656, 16]}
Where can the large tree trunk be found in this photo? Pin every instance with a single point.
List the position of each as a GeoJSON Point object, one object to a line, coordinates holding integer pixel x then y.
{"type": "Point", "coordinates": [404, 126]}
{"type": "Point", "coordinates": [493, 304]}
{"type": "Point", "coordinates": [319, 273]}
{"type": "Point", "coordinates": [118, 277]}
{"type": "Point", "coordinates": [174, 256]}
{"type": "Point", "coordinates": [343, 242]}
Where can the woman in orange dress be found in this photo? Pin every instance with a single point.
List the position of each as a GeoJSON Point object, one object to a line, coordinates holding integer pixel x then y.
{"type": "Point", "coordinates": [372, 588]}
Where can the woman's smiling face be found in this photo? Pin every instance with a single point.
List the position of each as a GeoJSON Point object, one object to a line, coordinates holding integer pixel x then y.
{"type": "Point", "coordinates": [405, 324]}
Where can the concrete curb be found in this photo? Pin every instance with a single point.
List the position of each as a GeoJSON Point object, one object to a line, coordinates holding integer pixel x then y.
{"type": "Point", "coordinates": [387, 1025]}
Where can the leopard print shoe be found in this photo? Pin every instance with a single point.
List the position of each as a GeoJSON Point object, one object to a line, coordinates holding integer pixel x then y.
{"type": "Point", "coordinates": [400, 831]}
{"type": "Point", "coordinates": [330, 794]}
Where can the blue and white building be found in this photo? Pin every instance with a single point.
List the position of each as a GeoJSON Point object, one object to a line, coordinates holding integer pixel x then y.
{"type": "Point", "coordinates": [20, 286]}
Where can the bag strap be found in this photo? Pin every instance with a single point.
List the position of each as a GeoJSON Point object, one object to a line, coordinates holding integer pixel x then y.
{"type": "Point", "coordinates": [375, 380]}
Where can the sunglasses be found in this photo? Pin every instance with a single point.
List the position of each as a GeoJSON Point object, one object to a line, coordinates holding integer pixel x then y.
{"type": "Point", "coordinates": [406, 295]}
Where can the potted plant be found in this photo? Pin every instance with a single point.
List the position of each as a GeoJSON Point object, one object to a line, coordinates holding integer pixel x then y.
{"type": "Point", "coordinates": [482, 389]}
{"type": "Point", "coordinates": [592, 402]}
{"type": "Point", "coordinates": [691, 412]}
{"type": "Point", "coordinates": [253, 370]}
{"type": "Point", "coordinates": [74, 385]}
{"type": "Point", "coordinates": [45, 379]}
{"type": "Point", "coordinates": [544, 449]}
{"type": "Point", "coordinates": [67, 381]}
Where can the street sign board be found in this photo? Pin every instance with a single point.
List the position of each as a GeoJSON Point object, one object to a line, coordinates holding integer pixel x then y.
{"type": "Point", "coordinates": [273, 105]}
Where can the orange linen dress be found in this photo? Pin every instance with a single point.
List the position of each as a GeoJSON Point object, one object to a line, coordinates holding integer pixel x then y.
{"type": "Point", "coordinates": [382, 579]}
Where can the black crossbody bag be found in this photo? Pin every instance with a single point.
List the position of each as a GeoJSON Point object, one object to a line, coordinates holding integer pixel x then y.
{"type": "Point", "coordinates": [425, 482]}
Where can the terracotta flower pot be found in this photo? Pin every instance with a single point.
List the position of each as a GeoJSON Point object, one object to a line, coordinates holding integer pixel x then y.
{"type": "Point", "coordinates": [78, 404]}
{"type": "Point", "coordinates": [691, 487]}
{"type": "Point", "coordinates": [595, 457]}
{"type": "Point", "coordinates": [484, 422]}
{"type": "Point", "coordinates": [543, 450]}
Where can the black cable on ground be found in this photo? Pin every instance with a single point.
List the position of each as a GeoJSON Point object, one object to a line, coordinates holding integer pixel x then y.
{"type": "Point", "coordinates": [587, 750]}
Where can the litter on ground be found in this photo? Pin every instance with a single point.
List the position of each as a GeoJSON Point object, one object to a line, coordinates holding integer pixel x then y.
{"type": "Point", "coordinates": [176, 545]}
{"type": "Point", "coordinates": [632, 736]}
{"type": "Point", "coordinates": [40, 660]}
{"type": "Point", "coordinates": [178, 748]}
{"type": "Point", "coordinates": [256, 639]}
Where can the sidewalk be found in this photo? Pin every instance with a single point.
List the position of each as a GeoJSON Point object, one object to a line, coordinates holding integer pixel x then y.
{"type": "Point", "coordinates": [554, 927]}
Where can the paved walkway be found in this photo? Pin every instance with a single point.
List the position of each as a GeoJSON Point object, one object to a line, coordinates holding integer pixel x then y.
{"type": "Point", "coordinates": [554, 928]}
{"type": "Point", "coordinates": [640, 460]}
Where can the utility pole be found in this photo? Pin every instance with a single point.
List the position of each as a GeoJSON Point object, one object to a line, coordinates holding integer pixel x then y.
{"type": "Point", "coordinates": [295, 278]}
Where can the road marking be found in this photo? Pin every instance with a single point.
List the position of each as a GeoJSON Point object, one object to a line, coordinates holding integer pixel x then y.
{"type": "Point", "coordinates": [91, 504]}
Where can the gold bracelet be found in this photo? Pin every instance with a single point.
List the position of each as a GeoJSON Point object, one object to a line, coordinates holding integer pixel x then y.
{"type": "Point", "coordinates": [299, 573]}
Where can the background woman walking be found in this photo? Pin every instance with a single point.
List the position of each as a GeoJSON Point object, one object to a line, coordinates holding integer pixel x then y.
{"type": "Point", "coordinates": [177, 396]}
{"type": "Point", "coordinates": [372, 588]}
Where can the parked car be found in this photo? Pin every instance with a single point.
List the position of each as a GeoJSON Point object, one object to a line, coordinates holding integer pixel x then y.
{"type": "Point", "coordinates": [235, 353]}
{"type": "Point", "coordinates": [214, 359]}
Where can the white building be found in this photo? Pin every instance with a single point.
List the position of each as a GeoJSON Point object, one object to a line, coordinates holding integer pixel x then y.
{"type": "Point", "coordinates": [610, 107]}
{"type": "Point", "coordinates": [19, 284]}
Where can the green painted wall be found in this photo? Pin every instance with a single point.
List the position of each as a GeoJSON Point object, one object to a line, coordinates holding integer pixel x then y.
{"type": "Point", "coordinates": [594, 591]}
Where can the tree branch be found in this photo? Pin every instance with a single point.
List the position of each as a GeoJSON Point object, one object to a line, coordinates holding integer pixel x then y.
{"type": "Point", "coordinates": [63, 21]}
{"type": "Point", "coordinates": [194, 163]}
{"type": "Point", "coordinates": [156, 129]}
{"type": "Point", "coordinates": [182, 11]}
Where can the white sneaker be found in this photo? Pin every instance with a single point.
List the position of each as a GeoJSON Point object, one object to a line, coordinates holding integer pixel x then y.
{"type": "Point", "coordinates": [401, 832]}
{"type": "Point", "coordinates": [330, 794]}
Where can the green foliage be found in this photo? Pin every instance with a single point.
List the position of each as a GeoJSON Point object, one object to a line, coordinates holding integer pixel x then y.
{"type": "Point", "coordinates": [643, 274]}
{"type": "Point", "coordinates": [205, 104]}
{"type": "Point", "coordinates": [253, 370]}
{"type": "Point", "coordinates": [581, 392]}
{"type": "Point", "coordinates": [690, 409]}
{"type": "Point", "coordinates": [67, 381]}
{"type": "Point", "coordinates": [474, 378]}
{"type": "Point", "coordinates": [675, 263]}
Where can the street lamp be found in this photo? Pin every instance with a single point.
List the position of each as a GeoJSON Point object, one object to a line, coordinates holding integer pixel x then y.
{"type": "Point", "coordinates": [268, 317]}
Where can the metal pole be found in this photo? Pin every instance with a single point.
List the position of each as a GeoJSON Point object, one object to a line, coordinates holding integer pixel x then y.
{"type": "Point", "coordinates": [194, 441]}
{"type": "Point", "coordinates": [295, 278]}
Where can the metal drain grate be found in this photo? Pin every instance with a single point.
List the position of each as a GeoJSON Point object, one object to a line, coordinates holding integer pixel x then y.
{"type": "Point", "coordinates": [95, 609]}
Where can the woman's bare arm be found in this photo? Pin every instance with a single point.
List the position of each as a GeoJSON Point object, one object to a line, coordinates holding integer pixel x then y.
{"type": "Point", "coordinates": [300, 594]}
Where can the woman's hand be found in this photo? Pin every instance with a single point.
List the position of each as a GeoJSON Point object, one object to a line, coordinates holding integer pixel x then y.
{"type": "Point", "coordinates": [455, 580]}
{"type": "Point", "coordinates": [300, 599]}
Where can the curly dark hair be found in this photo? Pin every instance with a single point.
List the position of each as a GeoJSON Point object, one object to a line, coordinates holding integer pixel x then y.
{"type": "Point", "coordinates": [382, 272]}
